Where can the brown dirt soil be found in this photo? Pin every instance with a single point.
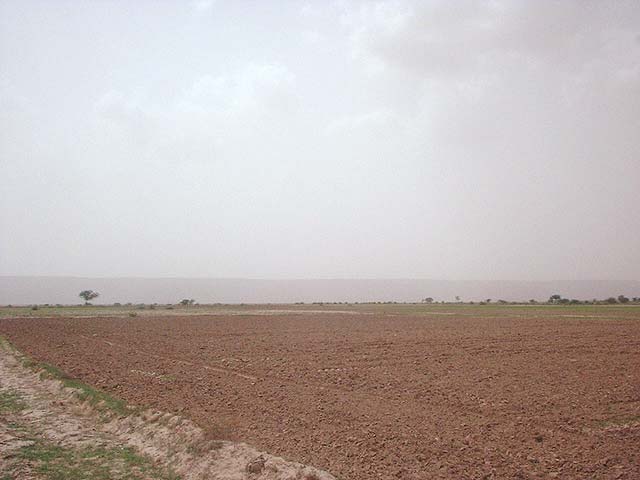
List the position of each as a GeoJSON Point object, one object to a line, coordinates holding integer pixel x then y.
{"type": "Point", "coordinates": [378, 396]}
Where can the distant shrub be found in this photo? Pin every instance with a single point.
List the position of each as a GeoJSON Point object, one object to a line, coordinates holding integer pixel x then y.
{"type": "Point", "coordinates": [133, 314]}
{"type": "Point", "coordinates": [35, 307]}
{"type": "Point", "coordinates": [623, 299]}
{"type": "Point", "coordinates": [611, 300]}
{"type": "Point", "coordinates": [117, 304]}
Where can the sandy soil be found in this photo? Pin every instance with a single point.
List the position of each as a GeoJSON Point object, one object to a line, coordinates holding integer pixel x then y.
{"type": "Point", "coordinates": [372, 396]}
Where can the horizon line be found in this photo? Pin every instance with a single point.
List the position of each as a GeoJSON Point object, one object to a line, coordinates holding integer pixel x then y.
{"type": "Point", "coordinates": [134, 277]}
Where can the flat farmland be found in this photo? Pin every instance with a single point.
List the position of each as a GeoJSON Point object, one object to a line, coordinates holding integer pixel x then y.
{"type": "Point", "coordinates": [379, 392]}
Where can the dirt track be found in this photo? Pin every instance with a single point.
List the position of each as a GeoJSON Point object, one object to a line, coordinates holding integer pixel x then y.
{"type": "Point", "coordinates": [378, 396]}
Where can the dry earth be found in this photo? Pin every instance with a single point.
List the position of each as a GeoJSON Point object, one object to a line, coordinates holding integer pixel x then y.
{"type": "Point", "coordinates": [48, 430]}
{"type": "Point", "coordinates": [378, 396]}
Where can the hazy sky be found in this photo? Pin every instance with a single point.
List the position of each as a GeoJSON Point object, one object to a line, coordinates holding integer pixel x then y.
{"type": "Point", "coordinates": [454, 140]}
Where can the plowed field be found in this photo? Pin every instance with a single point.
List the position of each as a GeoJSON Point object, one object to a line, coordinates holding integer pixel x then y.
{"type": "Point", "coordinates": [378, 396]}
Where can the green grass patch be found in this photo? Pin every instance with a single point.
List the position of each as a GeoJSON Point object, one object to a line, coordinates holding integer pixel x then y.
{"type": "Point", "coordinates": [5, 345]}
{"type": "Point", "coordinates": [18, 427]}
{"type": "Point", "coordinates": [55, 462]}
{"type": "Point", "coordinates": [11, 401]}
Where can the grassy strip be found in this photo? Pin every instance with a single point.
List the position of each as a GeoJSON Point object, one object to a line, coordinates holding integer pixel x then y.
{"type": "Point", "coordinates": [631, 310]}
{"type": "Point", "coordinates": [57, 462]}
{"type": "Point", "coordinates": [100, 401]}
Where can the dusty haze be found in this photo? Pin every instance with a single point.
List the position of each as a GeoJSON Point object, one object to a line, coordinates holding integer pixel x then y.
{"type": "Point", "coordinates": [448, 140]}
{"type": "Point", "coordinates": [30, 290]}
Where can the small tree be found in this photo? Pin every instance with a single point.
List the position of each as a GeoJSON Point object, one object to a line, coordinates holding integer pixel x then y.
{"type": "Point", "coordinates": [185, 302]}
{"type": "Point", "coordinates": [88, 295]}
{"type": "Point", "coordinates": [555, 298]}
{"type": "Point", "coordinates": [623, 299]}
{"type": "Point", "coordinates": [427, 300]}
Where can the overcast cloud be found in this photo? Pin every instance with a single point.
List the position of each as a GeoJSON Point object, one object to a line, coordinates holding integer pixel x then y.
{"type": "Point", "coordinates": [452, 140]}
